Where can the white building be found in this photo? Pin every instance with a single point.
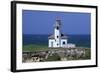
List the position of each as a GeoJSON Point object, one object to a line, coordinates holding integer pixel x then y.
{"type": "Point", "coordinates": [58, 39]}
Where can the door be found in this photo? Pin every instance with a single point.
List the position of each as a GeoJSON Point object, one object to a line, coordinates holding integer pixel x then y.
{"type": "Point", "coordinates": [51, 44]}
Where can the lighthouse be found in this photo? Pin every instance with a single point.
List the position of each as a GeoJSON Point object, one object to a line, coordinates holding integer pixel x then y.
{"type": "Point", "coordinates": [57, 33]}
{"type": "Point", "coordinates": [57, 39]}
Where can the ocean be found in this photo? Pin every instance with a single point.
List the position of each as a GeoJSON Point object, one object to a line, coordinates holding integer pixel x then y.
{"type": "Point", "coordinates": [79, 40]}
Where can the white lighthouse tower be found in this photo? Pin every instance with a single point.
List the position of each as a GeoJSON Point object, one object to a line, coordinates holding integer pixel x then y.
{"type": "Point", "coordinates": [57, 32]}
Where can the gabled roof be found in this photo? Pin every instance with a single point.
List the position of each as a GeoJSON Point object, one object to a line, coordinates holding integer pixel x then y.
{"type": "Point", "coordinates": [51, 36]}
{"type": "Point", "coordinates": [62, 36]}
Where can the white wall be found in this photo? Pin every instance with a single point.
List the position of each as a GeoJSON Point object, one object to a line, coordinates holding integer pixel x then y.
{"type": "Point", "coordinates": [5, 37]}
{"type": "Point", "coordinates": [63, 40]}
{"type": "Point", "coordinates": [50, 43]}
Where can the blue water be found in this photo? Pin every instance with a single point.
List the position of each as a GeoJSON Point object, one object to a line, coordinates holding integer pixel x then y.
{"type": "Point", "coordinates": [79, 40]}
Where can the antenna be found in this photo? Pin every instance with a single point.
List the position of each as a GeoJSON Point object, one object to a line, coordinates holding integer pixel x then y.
{"type": "Point", "coordinates": [57, 18]}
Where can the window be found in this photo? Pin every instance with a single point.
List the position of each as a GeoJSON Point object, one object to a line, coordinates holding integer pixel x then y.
{"type": "Point", "coordinates": [57, 27]}
{"type": "Point", "coordinates": [63, 42]}
{"type": "Point", "coordinates": [57, 36]}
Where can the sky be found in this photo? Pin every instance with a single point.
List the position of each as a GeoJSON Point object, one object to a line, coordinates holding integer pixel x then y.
{"type": "Point", "coordinates": [42, 22]}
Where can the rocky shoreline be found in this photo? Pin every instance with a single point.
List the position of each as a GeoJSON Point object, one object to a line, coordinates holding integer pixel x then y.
{"type": "Point", "coordinates": [55, 54]}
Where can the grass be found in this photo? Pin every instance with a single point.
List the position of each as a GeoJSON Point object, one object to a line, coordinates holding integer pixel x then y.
{"type": "Point", "coordinates": [53, 58]}
{"type": "Point", "coordinates": [88, 54]}
{"type": "Point", "coordinates": [34, 47]}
